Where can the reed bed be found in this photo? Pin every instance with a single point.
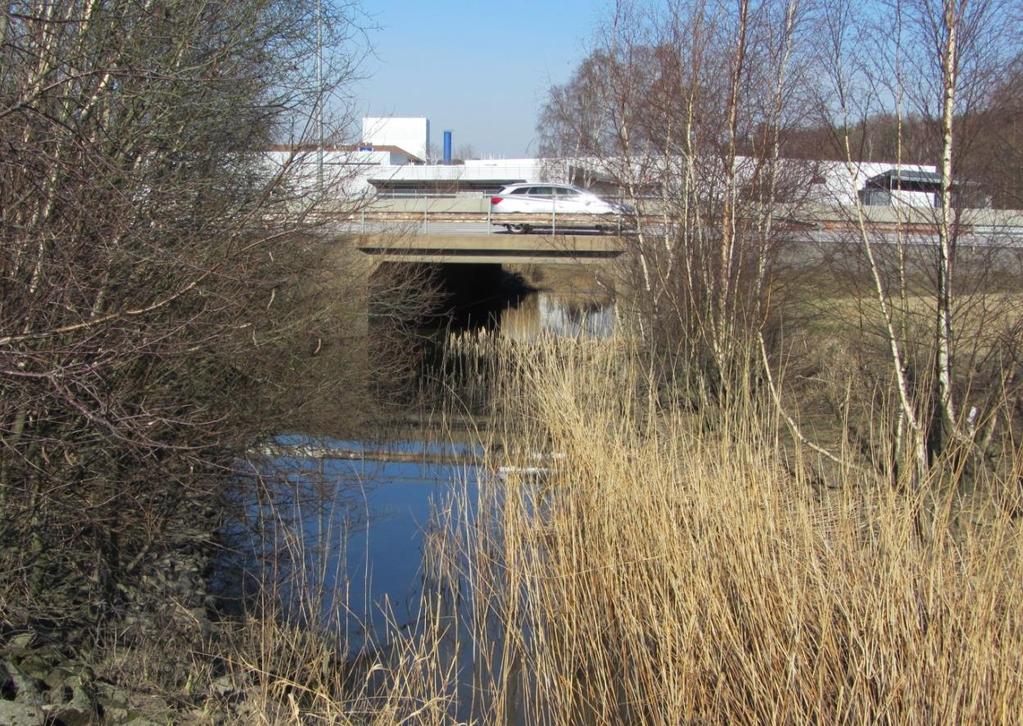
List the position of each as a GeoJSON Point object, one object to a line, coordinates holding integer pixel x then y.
{"type": "Point", "coordinates": [627, 559]}
{"type": "Point", "coordinates": [674, 565]}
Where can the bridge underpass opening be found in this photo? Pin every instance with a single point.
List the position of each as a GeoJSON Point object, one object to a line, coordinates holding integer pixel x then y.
{"type": "Point", "coordinates": [518, 301]}
{"type": "Point", "coordinates": [459, 297]}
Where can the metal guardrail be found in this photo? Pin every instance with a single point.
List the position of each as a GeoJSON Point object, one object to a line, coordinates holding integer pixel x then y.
{"type": "Point", "coordinates": [553, 221]}
{"type": "Point", "coordinates": [424, 211]}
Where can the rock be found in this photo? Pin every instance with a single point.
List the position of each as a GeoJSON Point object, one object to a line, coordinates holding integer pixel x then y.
{"type": "Point", "coordinates": [57, 677]}
{"type": "Point", "coordinates": [21, 714]}
{"type": "Point", "coordinates": [247, 712]}
{"type": "Point", "coordinates": [35, 665]}
{"type": "Point", "coordinates": [142, 711]}
{"type": "Point", "coordinates": [24, 688]}
{"type": "Point", "coordinates": [200, 716]}
{"type": "Point", "coordinates": [223, 686]}
{"type": "Point", "coordinates": [114, 702]}
{"type": "Point", "coordinates": [21, 641]}
{"type": "Point", "coordinates": [116, 712]}
{"type": "Point", "coordinates": [79, 711]}
{"type": "Point", "coordinates": [7, 689]}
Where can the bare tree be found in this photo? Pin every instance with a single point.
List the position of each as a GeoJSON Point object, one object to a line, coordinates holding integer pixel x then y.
{"type": "Point", "coordinates": [690, 112]}
{"type": "Point", "coordinates": [153, 276]}
{"type": "Point", "coordinates": [465, 151]}
{"type": "Point", "coordinates": [929, 66]}
{"type": "Point", "coordinates": [683, 110]}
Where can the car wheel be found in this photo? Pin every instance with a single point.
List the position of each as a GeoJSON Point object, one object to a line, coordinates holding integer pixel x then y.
{"type": "Point", "coordinates": [518, 228]}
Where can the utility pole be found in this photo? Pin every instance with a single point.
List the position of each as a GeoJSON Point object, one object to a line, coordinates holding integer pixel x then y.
{"type": "Point", "coordinates": [319, 95]}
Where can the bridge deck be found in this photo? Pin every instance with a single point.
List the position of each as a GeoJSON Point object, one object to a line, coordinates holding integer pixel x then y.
{"type": "Point", "coordinates": [463, 230]}
{"type": "Point", "coordinates": [491, 248]}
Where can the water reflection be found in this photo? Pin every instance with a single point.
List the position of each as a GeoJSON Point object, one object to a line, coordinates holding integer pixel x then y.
{"type": "Point", "coordinates": [360, 518]}
{"type": "Point", "coordinates": [456, 349]}
{"type": "Point", "coordinates": [560, 314]}
{"type": "Point", "coordinates": [353, 521]}
{"type": "Point", "coordinates": [378, 561]}
{"type": "Point", "coordinates": [522, 302]}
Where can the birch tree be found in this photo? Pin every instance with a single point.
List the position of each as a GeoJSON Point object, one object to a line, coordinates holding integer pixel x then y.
{"type": "Point", "coordinates": [930, 66]}
{"type": "Point", "coordinates": [682, 110]}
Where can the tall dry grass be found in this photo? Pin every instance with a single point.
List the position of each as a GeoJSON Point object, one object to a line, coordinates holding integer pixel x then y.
{"type": "Point", "coordinates": [628, 559]}
{"type": "Point", "coordinates": [676, 565]}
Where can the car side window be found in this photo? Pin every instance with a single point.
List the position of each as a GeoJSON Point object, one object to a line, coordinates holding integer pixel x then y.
{"type": "Point", "coordinates": [521, 190]}
{"type": "Point", "coordinates": [541, 192]}
{"type": "Point", "coordinates": [565, 193]}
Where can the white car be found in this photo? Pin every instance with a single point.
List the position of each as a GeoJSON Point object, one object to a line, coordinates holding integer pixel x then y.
{"type": "Point", "coordinates": [552, 200]}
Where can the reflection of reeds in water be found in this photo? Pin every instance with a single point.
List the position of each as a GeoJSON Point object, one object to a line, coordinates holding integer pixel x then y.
{"type": "Point", "coordinates": [476, 365]}
{"type": "Point", "coordinates": [461, 380]}
{"type": "Point", "coordinates": [522, 321]}
{"type": "Point", "coordinates": [558, 314]}
{"type": "Point", "coordinates": [461, 366]}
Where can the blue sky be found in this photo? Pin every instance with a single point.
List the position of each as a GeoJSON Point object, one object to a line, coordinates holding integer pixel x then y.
{"type": "Point", "coordinates": [480, 69]}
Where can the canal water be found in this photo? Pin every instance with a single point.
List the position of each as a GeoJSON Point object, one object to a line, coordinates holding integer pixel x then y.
{"type": "Point", "coordinates": [358, 516]}
{"type": "Point", "coordinates": [550, 313]}
{"type": "Point", "coordinates": [525, 302]}
{"type": "Point", "coordinates": [351, 519]}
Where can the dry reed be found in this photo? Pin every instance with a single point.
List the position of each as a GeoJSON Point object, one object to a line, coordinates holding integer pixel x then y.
{"type": "Point", "coordinates": [632, 561]}
{"type": "Point", "coordinates": [675, 566]}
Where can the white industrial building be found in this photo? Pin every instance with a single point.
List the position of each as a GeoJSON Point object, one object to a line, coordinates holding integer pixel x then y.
{"type": "Point", "coordinates": [821, 182]}
{"type": "Point", "coordinates": [410, 134]}
{"type": "Point", "coordinates": [877, 184]}
{"type": "Point", "coordinates": [473, 177]}
{"type": "Point", "coordinates": [346, 169]}
{"type": "Point", "coordinates": [392, 160]}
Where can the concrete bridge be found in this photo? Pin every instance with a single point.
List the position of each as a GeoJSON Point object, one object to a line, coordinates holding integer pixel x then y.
{"type": "Point", "coordinates": [467, 247]}
{"type": "Point", "coordinates": [462, 230]}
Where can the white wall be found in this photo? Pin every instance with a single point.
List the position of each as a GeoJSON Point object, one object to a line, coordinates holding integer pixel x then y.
{"type": "Point", "coordinates": [842, 183]}
{"type": "Point", "coordinates": [836, 183]}
{"type": "Point", "coordinates": [411, 134]}
{"type": "Point", "coordinates": [345, 172]}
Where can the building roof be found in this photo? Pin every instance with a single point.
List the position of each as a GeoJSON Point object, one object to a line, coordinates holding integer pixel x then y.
{"type": "Point", "coordinates": [345, 148]}
{"type": "Point", "coordinates": [908, 175]}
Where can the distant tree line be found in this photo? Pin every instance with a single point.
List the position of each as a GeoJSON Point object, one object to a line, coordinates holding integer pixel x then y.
{"type": "Point", "coordinates": [991, 141]}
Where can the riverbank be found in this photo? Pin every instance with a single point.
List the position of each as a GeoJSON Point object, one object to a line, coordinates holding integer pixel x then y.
{"type": "Point", "coordinates": [147, 665]}
{"type": "Point", "coordinates": [679, 564]}
{"type": "Point", "coordinates": [670, 564]}
{"type": "Point", "coordinates": [656, 564]}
